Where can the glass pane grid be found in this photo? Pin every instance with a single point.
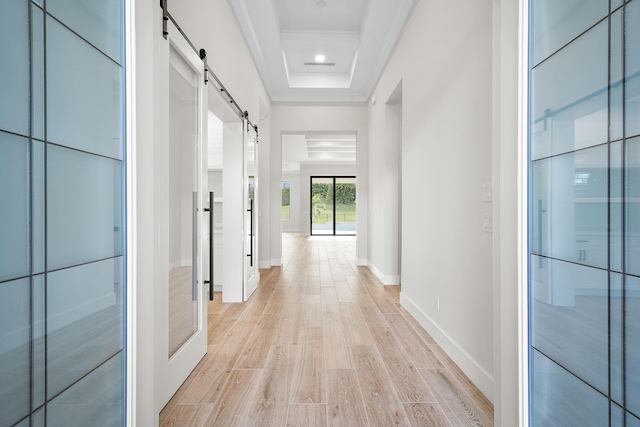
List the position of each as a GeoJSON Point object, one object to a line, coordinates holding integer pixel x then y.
{"type": "Point", "coordinates": [63, 288]}
{"type": "Point", "coordinates": [584, 220]}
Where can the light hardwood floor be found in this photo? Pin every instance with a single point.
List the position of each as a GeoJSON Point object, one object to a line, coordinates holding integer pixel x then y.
{"type": "Point", "coordinates": [323, 343]}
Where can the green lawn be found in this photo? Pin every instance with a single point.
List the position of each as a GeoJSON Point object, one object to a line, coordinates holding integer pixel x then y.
{"type": "Point", "coordinates": [285, 213]}
{"type": "Point", "coordinates": [344, 213]}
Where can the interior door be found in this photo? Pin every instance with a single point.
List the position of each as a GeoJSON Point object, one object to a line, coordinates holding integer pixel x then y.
{"type": "Point", "coordinates": [251, 275]}
{"type": "Point", "coordinates": [183, 191]}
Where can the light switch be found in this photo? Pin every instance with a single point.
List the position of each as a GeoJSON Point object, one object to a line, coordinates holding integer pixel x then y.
{"type": "Point", "coordinates": [487, 192]}
{"type": "Point", "coordinates": [488, 223]}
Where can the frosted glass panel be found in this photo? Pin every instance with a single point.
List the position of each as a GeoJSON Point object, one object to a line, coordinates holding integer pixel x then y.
{"type": "Point", "coordinates": [96, 400]}
{"type": "Point", "coordinates": [99, 22]}
{"type": "Point", "coordinates": [569, 207]}
{"type": "Point", "coordinates": [561, 399]}
{"type": "Point", "coordinates": [83, 207]}
{"type": "Point", "coordinates": [632, 178]}
{"type": "Point", "coordinates": [632, 72]}
{"type": "Point", "coordinates": [616, 76]}
{"type": "Point", "coordinates": [632, 313]}
{"type": "Point", "coordinates": [570, 113]}
{"type": "Point", "coordinates": [38, 343]}
{"type": "Point", "coordinates": [84, 95]}
{"type": "Point", "coordinates": [575, 297]}
{"type": "Point", "coordinates": [37, 72]}
{"type": "Point", "coordinates": [183, 290]}
{"type": "Point", "coordinates": [84, 326]}
{"type": "Point", "coordinates": [14, 73]}
{"type": "Point", "coordinates": [551, 28]}
{"type": "Point", "coordinates": [14, 350]}
{"type": "Point", "coordinates": [37, 202]}
{"type": "Point", "coordinates": [14, 215]}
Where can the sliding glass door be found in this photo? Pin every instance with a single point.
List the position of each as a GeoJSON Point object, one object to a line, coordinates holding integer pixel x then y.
{"type": "Point", "coordinates": [333, 205]}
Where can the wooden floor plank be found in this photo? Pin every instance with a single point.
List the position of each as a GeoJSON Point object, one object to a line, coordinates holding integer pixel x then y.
{"type": "Point", "coordinates": [454, 401]}
{"type": "Point", "coordinates": [421, 355]}
{"type": "Point", "coordinates": [345, 406]}
{"type": "Point", "coordinates": [257, 347]}
{"type": "Point", "coordinates": [270, 402]}
{"type": "Point", "coordinates": [329, 301]}
{"type": "Point", "coordinates": [405, 377]}
{"type": "Point", "coordinates": [307, 415]}
{"type": "Point", "coordinates": [426, 415]}
{"type": "Point", "coordinates": [231, 408]}
{"type": "Point", "coordinates": [336, 351]}
{"type": "Point", "coordinates": [189, 415]}
{"type": "Point", "coordinates": [308, 373]}
{"type": "Point", "coordinates": [380, 399]}
{"type": "Point", "coordinates": [356, 328]}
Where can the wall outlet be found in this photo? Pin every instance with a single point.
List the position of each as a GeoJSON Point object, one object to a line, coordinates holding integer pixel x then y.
{"type": "Point", "coordinates": [487, 192]}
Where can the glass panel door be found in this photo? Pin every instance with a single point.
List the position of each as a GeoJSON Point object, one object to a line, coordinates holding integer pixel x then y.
{"type": "Point", "coordinates": [251, 219]}
{"type": "Point", "coordinates": [181, 198]}
{"type": "Point", "coordinates": [62, 222]}
{"type": "Point", "coordinates": [584, 233]}
{"type": "Point", "coordinates": [333, 205]}
{"type": "Point", "coordinates": [345, 198]}
{"type": "Point", "coordinates": [322, 208]}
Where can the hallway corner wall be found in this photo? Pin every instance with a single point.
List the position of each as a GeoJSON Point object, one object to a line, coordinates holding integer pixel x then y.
{"type": "Point", "coordinates": [445, 163]}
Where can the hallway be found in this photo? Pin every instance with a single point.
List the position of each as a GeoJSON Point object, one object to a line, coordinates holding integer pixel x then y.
{"type": "Point", "coordinates": [323, 343]}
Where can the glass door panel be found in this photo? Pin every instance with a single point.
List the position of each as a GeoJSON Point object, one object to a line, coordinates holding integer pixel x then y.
{"type": "Point", "coordinates": [345, 198]}
{"type": "Point", "coordinates": [322, 208]}
{"type": "Point", "coordinates": [183, 121]}
{"type": "Point", "coordinates": [251, 219]}
{"type": "Point", "coordinates": [333, 205]}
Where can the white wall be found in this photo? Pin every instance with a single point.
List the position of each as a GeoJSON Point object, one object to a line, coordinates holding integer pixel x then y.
{"type": "Point", "coordinates": [293, 225]}
{"type": "Point", "coordinates": [444, 62]}
{"type": "Point", "coordinates": [330, 118]}
{"type": "Point", "coordinates": [309, 170]}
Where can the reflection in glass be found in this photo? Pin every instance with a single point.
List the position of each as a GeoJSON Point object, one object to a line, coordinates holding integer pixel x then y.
{"type": "Point", "coordinates": [632, 69]}
{"type": "Point", "coordinates": [632, 214]}
{"type": "Point", "coordinates": [183, 133]}
{"type": "Point", "coordinates": [551, 28]}
{"type": "Point", "coordinates": [14, 215]}
{"type": "Point", "coordinates": [14, 51]}
{"type": "Point", "coordinates": [14, 350]}
{"type": "Point", "coordinates": [569, 202]}
{"type": "Point", "coordinates": [584, 213]}
{"type": "Point", "coordinates": [84, 214]}
{"type": "Point", "coordinates": [570, 113]}
{"type": "Point", "coordinates": [561, 399]}
{"type": "Point", "coordinates": [98, 396]}
{"type": "Point", "coordinates": [632, 337]}
{"type": "Point", "coordinates": [84, 320]}
{"type": "Point", "coordinates": [84, 95]}
{"type": "Point", "coordinates": [574, 296]}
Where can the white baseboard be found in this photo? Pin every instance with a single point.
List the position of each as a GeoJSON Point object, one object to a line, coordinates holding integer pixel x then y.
{"type": "Point", "coordinates": [481, 378]}
{"type": "Point", "coordinates": [180, 263]}
{"type": "Point", "coordinates": [291, 230]}
{"type": "Point", "coordinates": [362, 262]}
{"type": "Point", "coordinates": [305, 234]}
{"type": "Point", "coordinates": [387, 280]}
{"type": "Point", "coordinates": [276, 262]}
{"type": "Point", "coordinates": [264, 264]}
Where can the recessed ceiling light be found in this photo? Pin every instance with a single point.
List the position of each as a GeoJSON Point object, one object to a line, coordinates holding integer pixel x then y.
{"type": "Point", "coordinates": [319, 58]}
{"type": "Point", "coordinates": [321, 3]}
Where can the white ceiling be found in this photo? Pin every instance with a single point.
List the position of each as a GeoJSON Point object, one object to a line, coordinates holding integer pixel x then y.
{"type": "Point", "coordinates": [355, 36]}
{"type": "Point", "coordinates": [317, 148]}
